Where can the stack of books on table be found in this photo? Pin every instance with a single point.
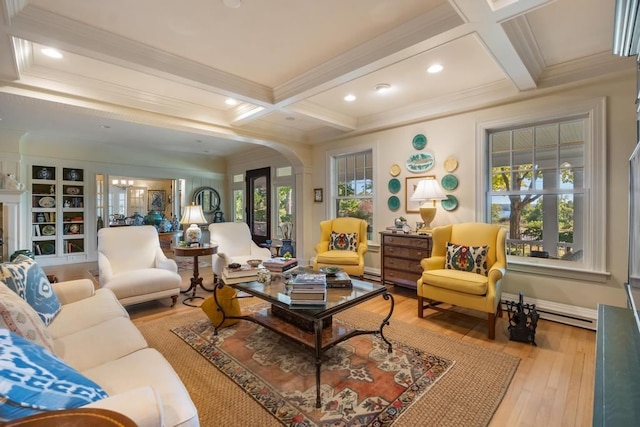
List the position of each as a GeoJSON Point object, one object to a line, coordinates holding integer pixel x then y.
{"type": "Point", "coordinates": [308, 289]}
{"type": "Point", "coordinates": [245, 273]}
{"type": "Point", "coordinates": [279, 264]}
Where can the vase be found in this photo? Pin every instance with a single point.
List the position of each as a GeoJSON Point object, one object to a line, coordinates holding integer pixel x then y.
{"type": "Point", "coordinates": [287, 247]}
{"type": "Point", "coordinates": [153, 218]}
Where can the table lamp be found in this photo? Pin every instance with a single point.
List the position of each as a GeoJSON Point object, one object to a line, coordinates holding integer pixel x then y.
{"type": "Point", "coordinates": [193, 215]}
{"type": "Point", "coordinates": [427, 191]}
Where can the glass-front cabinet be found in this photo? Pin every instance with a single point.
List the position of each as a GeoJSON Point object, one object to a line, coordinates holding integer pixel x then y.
{"type": "Point", "coordinates": [57, 210]}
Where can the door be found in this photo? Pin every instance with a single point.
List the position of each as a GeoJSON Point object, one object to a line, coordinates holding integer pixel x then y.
{"type": "Point", "coordinates": [259, 204]}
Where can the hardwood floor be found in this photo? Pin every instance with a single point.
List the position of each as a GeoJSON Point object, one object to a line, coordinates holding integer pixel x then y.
{"type": "Point", "coordinates": [553, 385]}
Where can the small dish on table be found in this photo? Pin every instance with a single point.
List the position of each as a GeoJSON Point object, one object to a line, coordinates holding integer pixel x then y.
{"type": "Point", "coordinates": [330, 270]}
{"type": "Point", "coordinates": [254, 262]}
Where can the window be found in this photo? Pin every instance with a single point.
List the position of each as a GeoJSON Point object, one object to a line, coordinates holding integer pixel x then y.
{"type": "Point", "coordinates": [238, 198]}
{"type": "Point", "coordinates": [353, 186]}
{"type": "Point", "coordinates": [545, 186]}
{"type": "Point", "coordinates": [285, 202]}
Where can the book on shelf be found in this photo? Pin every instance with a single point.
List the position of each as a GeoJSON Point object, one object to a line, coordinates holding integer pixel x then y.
{"type": "Point", "coordinates": [244, 271]}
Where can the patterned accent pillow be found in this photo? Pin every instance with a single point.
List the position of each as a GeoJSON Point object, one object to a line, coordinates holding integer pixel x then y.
{"type": "Point", "coordinates": [467, 258]}
{"type": "Point", "coordinates": [34, 380]}
{"type": "Point", "coordinates": [343, 241]}
{"type": "Point", "coordinates": [20, 318]}
{"type": "Point", "coordinates": [26, 278]}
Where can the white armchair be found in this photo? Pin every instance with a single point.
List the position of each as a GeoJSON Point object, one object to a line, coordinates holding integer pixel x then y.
{"type": "Point", "coordinates": [234, 245]}
{"type": "Point", "coordinates": [132, 264]}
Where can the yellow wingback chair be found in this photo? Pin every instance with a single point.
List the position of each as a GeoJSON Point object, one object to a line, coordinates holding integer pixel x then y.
{"type": "Point", "coordinates": [351, 258]}
{"type": "Point", "coordinates": [467, 289]}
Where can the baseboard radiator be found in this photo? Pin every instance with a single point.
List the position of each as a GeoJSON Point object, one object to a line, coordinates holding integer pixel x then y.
{"type": "Point", "coordinates": [562, 313]}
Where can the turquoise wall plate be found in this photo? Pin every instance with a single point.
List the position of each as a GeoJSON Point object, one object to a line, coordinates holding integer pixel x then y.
{"type": "Point", "coordinates": [393, 203]}
{"type": "Point", "coordinates": [394, 185]}
{"type": "Point", "coordinates": [419, 141]}
{"type": "Point", "coordinates": [450, 203]}
{"type": "Point", "coordinates": [449, 182]}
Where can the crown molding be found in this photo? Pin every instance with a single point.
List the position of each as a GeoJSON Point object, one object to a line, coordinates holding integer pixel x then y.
{"type": "Point", "coordinates": [589, 67]}
{"type": "Point", "coordinates": [521, 36]}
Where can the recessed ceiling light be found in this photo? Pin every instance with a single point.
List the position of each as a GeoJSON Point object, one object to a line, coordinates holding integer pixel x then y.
{"type": "Point", "coordinates": [435, 68]}
{"type": "Point", "coordinates": [233, 4]}
{"type": "Point", "coordinates": [290, 118]}
{"type": "Point", "coordinates": [383, 87]}
{"type": "Point", "coordinates": [51, 53]}
{"type": "Point", "coordinates": [230, 101]}
{"type": "Point", "coordinates": [350, 98]}
{"type": "Point", "coordinates": [105, 126]}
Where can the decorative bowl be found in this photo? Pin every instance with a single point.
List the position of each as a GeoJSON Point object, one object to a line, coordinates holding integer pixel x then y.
{"type": "Point", "coordinates": [234, 265]}
{"type": "Point", "coordinates": [254, 262]}
{"type": "Point", "coordinates": [331, 270]}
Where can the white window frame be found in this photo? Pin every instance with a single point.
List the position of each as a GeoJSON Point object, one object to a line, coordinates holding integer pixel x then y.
{"type": "Point", "coordinates": [595, 166]}
{"type": "Point", "coordinates": [282, 181]}
{"type": "Point", "coordinates": [331, 185]}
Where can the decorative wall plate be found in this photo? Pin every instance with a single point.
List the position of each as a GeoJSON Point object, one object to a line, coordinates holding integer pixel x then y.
{"type": "Point", "coordinates": [419, 141]}
{"type": "Point", "coordinates": [450, 203]}
{"type": "Point", "coordinates": [395, 169]}
{"type": "Point", "coordinates": [394, 185]}
{"type": "Point", "coordinates": [47, 248]}
{"type": "Point", "coordinates": [393, 203]}
{"type": "Point", "coordinates": [449, 182]}
{"type": "Point", "coordinates": [73, 191]}
{"type": "Point", "coordinates": [420, 162]}
{"type": "Point", "coordinates": [48, 230]}
{"type": "Point", "coordinates": [450, 164]}
{"type": "Point", "coordinates": [74, 229]}
{"type": "Point", "coordinates": [47, 202]}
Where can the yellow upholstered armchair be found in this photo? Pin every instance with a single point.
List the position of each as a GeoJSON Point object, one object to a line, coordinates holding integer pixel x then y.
{"type": "Point", "coordinates": [343, 243]}
{"type": "Point", "coordinates": [465, 268]}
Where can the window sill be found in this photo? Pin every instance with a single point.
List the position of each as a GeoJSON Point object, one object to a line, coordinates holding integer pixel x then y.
{"type": "Point", "coordinates": [546, 267]}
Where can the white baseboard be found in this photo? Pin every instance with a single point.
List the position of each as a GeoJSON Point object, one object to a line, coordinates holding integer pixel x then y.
{"type": "Point", "coordinates": [562, 313]}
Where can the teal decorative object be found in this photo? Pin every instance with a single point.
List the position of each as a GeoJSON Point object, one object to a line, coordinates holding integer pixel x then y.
{"type": "Point", "coordinates": [394, 185]}
{"type": "Point", "coordinates": [394, 203]}
{"type": "Point", "coordinates": [419, 141]}
{"type": "Point", "coordinates": [153, 218]}
{"type": "Point", "coordinates": [449, 182]}
{"type": "Point", "coordinates": [450, 203]}
{"type": "Point", "coordinates": [420, 162]}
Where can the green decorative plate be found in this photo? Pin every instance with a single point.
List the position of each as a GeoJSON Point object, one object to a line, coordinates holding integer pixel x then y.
{"type": "Point", "coordinates": [449, 182]}
{"type": "Point", "coordinates": [47, 249]}
{"type": "Point", "coordinates": [420, 162]}
{"type": "Point", "coordinates": [394, 185]}
{"type": "Point", "coordinates": [393, 203]}
{"type": "Point", "coordinates": [419, 141]}
{"type": "Point", "coordinates": [450, 203]}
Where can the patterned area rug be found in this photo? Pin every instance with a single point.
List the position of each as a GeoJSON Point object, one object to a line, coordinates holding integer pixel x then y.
{"type": "Point", "coordinates": [186, 264]}
{"type": "Point", "coordinates": [361, 382]}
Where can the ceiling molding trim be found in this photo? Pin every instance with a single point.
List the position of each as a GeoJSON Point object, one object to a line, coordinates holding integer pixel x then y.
{"type": "Point", "coordinates": [44, 27]}
{"type": "Point", "coordinates": [521, 36]}
{"type": "Point", "coordinates": [369, 56]}
{"type": "Point", "coordinates": [23, 54]}
{"type": "Point", "coordinates": [328, 117]}
{"type": "Point", "coordinates": [101, 92]}
{"type": "Point", "coordinates": [11, 8]}
{"type": "Point", "coordinates": [589, 67]}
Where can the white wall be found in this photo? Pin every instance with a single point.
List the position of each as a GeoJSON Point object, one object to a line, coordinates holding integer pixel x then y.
{"type": "Point", "coordinates": [456, 136]}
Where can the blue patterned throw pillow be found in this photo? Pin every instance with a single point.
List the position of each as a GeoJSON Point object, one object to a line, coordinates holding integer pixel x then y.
{"type": "Point", "coordinates": [467, 258]}
{"type": "Point", "coordinates": [26, 278]}
{"type": "Point", "coordinates": [343, 241]}
{"type": "Point", "coordinates": [34, 380]}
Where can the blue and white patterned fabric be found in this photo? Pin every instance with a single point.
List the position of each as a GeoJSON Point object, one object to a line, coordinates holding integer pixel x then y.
{"type": "Point", "coordinates": [26, 278]}
{"type": "Point", "coordinates": [33, 380]}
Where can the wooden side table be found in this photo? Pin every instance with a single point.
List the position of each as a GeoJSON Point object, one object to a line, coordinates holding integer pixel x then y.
{"type": "Point", "coordinates": [78, 417]}
{"type": "Point", "coordinates": [196, 279]}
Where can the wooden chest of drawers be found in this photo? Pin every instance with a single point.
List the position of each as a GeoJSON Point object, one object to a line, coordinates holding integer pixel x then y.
{"type": "Point", "coordinates": [401, 256]}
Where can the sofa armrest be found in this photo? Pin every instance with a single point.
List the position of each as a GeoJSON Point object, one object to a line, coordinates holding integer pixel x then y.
{"type": "Point", "coordinates": [73, 290]}
{"type": "Point", "coordinates": [106, 271]}
{"type": "Point", "coordinates": [258, 252]}
{"type": "Point", "coordinates": [165, 263]}
{"type": "Point", "coordinates": [142, 405]}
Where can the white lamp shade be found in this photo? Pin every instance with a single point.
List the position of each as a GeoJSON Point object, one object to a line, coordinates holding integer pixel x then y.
{"type": "Point", "coordinates": [193, 215]}
{"type": "Point", "coordinates": [427, 189]}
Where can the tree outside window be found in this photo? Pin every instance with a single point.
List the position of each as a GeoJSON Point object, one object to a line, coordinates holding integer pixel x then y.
{"type": "Point", "coordinates": [353, 191]}
{"type": "Point", "coordinates": [537, 180]}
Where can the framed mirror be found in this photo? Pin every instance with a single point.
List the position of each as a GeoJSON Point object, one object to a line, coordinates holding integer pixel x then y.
{"type": "Point", "coordinates": [208, 198]}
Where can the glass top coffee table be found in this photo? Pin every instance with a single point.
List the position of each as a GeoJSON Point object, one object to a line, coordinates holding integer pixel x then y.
{"type": "Point", "coordinates": [312, 326]}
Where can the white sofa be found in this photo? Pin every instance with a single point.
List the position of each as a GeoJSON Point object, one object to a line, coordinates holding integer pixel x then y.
{"type": "Point", "coordinates": [94, 335]}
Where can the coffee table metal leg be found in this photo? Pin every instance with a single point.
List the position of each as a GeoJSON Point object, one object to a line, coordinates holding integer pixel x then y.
{"type": "Point", "coordinates": [317, 326]}
{"type": "Point", "coordinates": [385, 321]}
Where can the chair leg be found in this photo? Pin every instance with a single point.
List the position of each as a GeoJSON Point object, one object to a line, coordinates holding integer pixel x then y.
{"type": "Point", "coordinates": [420, 307]}
{"type": "Point", "coordinates": [174, 299]}
{"type": "Point", "coordinates": [491, 325]}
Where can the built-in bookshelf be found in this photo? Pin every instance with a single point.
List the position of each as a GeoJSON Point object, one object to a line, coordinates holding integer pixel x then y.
{"type": "Point", "coordinates": [57, 210]}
